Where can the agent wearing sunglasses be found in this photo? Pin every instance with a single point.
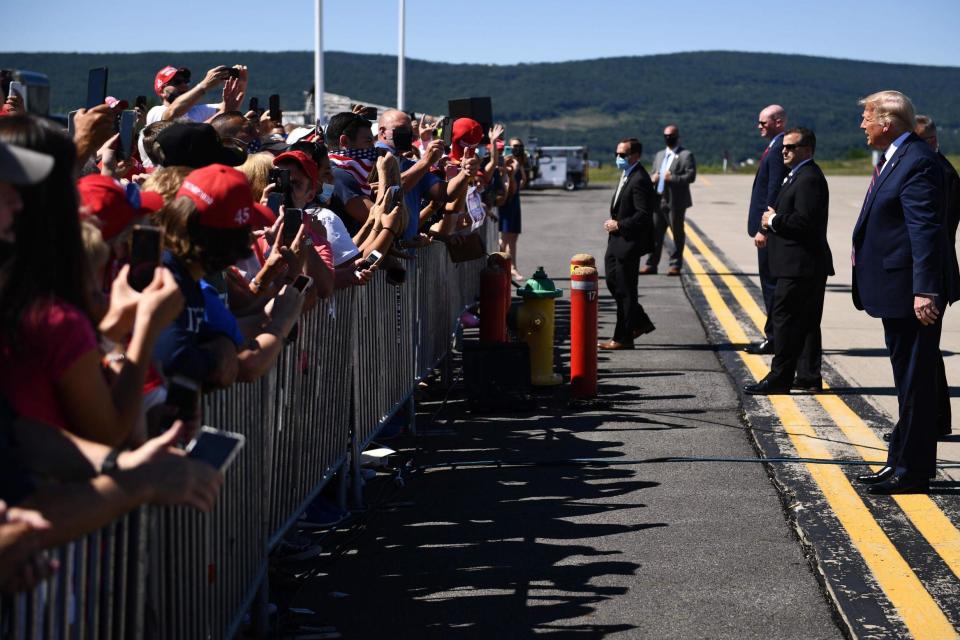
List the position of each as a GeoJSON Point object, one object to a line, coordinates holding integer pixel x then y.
{"type": "Point", "coordinates": [800, 261]}
{"type": "Point", "coordinates": [766, 186]}
{"type": "Point", "coordinates": [630, 236]}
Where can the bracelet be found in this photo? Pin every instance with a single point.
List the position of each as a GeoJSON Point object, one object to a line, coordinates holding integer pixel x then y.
{"type": "Point", "coordinates": [109, 463]}
{"type": "Point", "coordinates": [256, 285]}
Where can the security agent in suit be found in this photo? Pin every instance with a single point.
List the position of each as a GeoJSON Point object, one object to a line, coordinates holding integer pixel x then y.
{"type": "Point", "coordinates": [800, 260]}
{"type": "Point", "coordinates": [926, 129]}
{"type": "Point", "coordinates": [675, 169]}
{"type": "Point", "coordinates": [766, 186]}
{"type": "Point", "coordinates": [630, 230]}
{"type": "Point", "coordinates": [905, 274]}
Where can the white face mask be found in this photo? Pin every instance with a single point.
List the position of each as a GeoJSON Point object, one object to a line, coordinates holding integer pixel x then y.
{"type": "Point", "coordinates": [327, 192]}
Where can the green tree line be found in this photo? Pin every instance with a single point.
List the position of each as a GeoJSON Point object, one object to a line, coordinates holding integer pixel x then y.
{"type": "Point", "coordinates": [713, 96]}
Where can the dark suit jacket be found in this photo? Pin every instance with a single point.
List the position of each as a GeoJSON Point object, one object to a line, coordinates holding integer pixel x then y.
{"type": "Point", "coordinates": [797, 244]}
{"type": "Point", "coordinates": [951, 199]}
{"type": "Point", "coordinates": [901, 243]}
{"type": "Point", "coordinates": [633, 211]}
{"type": "Point", "coordinates": [766, 184]}
{"type": "Point", "coordinates": [683, 172]}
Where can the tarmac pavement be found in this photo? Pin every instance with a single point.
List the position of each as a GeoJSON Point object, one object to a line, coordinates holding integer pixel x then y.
{"type": "Point", "coordinates": [642, 514]}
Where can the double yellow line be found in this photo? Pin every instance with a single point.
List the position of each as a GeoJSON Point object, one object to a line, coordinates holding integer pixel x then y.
{"type": "Point", "coordinates": [920, 613]}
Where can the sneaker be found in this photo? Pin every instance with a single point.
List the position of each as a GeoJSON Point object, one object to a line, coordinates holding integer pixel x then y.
{"type": "Point", "coordinates": [295, 548]}
{"type": "Point", "coordinates": [469, 321]}
{"type": "Point", "coordinates": [321, 514]}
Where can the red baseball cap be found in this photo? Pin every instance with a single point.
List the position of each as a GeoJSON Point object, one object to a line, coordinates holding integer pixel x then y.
{"type": "Point", "coordinates": [466, 132]}
{"type": "Point", "coordinates": [306, 163]}
{"type": "Point", "coordinates": [222, 196]}
{"type": "Point", "coordinates": [107, 204]}
{"type": "Point", "coordinates": [167, 74]}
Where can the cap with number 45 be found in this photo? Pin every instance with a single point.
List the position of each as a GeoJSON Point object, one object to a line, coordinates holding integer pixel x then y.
{"type": "Point", "coordinates": [222, 197]}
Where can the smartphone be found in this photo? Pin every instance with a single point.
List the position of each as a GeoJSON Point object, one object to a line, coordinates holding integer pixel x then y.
{"type": "Point", "coordinates": [21, 90]}
{"type": "Point", "coordinates": [233, 73]}
{"type": "Point", "coordinates": [183, 394]}
{"type": "Point", "coordinates": [394, 198]}
{"type": "Point", "coordinates": [368, 262]}
{"type": "Point", "coordinates": [447, 132]}
{"type": "Point", "coordinates": [274, 200]}
{"type": "Point", "coordinates": [302, 283]}
{"type": "Point", "coordinates": [140, 103]}
{"type": "Point", "coordinates": [128, 120]}
{"type": "Point", "coordinates": [292, 219]}
{"type": "Point", "coordinates": [254, 105]}
{"type": "Point", "coordinates": [96, 87]}
{"type": "Point", "coordinates": [216, 448]}
{"type": "Point", "coordinates": [507, 152]}
{"type": "Point", "coordinates": [146, 246]}
{"type": "Point", "coordinates": [275, 114]}
{"type": "Point", "coordinates": [71, 126]}
{"type": "Point", "coordinates": [281, 178]}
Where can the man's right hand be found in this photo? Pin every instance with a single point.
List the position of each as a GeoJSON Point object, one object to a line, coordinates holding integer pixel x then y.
{"type": "Point", "coordinates": [215, 77]}
{"type": "Point", "coordinates": [760, 240]}
{"type": "Point", "coordinates": [92, 128]}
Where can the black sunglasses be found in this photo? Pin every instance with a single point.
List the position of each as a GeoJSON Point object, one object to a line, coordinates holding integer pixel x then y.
{"type": "Point", "coordinates": [624, 155]}
{"type": "Point", "coordinates": [791, 147]}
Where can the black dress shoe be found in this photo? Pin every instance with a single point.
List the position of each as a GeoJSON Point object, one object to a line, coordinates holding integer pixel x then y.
{"type": "Point", "coordinates": [887, 436]}
{"type": "Point", "coordinates": [766, 388]}
{"type": "Point", "coordinates": [874, 478]}
{"type": "Point", "coordinates": [807, 386]}
{"type": "Point", "coordinates": [644, 327]}
{"type": "Point", "coordinates": [760, 348]}
{"type": "Point", "coordinates": [903, 483]}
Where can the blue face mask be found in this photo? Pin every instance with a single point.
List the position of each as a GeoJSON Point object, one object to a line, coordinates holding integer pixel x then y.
{"type": "Point", "coordinates": [622, 163]}
{"type": "Point", "coordinates": [326, 193]}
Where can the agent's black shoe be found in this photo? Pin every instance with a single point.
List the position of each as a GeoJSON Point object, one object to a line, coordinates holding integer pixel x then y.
{"type": "Point", "coordinates": [886, 436]}
{"type": "Point", "coordinates": [643, 328]}
{"type": "Point", "coordinates": [766, 388]}
{"type": "Point", "coordinates": [760, 348]}
{"type": "Point", "coordinates": [903, 483]}
{"type": "Point", "coordinates": [875, 478]}
{"type": "Point", "coordinates": [807, 386]}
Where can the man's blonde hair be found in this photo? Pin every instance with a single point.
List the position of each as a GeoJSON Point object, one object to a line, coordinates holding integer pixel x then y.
{"type": "Point", "coordinates": [891, 107]}
{"type": "Point", "coordinates": [167, 181]}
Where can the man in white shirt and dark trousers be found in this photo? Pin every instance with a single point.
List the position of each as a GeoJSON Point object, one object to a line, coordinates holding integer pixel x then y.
{"type": "Point", "coordinates": [674, 169]}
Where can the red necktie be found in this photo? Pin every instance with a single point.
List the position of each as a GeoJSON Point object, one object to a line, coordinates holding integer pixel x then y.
{"type": "Point", "coordinates": [765, 152]}
{"type": "Point", "coordinates": [876, 172]}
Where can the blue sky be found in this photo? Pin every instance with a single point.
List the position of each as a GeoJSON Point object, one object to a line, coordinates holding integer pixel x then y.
{"type": "Point", "coordinates": [496, 31]}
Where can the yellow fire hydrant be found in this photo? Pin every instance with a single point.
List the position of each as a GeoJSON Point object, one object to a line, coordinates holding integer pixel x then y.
{"type": "Point", "coordinates": [535, 324]}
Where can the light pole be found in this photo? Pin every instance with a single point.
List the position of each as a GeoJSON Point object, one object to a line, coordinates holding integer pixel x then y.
{"type": "Point", "coordinates": [318, 62]}
{"type": "Point", "coordinates": [400, 57]}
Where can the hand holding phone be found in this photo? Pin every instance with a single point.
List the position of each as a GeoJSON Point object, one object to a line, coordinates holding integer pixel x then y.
{"type": "Point", "coordinates": [20, 90]}
{"type": "Point", "coordinates": [368, 262]}
{"type": "Point", "coordinates": [302, 283]}
{"type": "Point", "coordinates": [216, 448]}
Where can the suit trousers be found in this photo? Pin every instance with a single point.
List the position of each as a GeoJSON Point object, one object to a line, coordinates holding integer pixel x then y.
{"type": "Point", "coordinates": [622, 276]}
{"type": "Point", "coordinates": [797, 311]}
{"type": "Point", "coordinates": [914, 353]}
{"type": "Point", "coordinates": [944, 412]}
{"type": "Point", "coordinates": [768, 285]}
{"type": "Point", "coordinates": [674, 218]}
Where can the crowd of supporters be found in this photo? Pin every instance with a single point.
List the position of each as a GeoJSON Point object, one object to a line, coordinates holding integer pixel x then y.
{"type": "Point", "coordinates": [184, 262]}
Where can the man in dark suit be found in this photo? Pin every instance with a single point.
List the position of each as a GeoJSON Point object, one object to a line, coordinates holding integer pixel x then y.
{"type": "Point", "coordinates": [905, 274]}
{"type": "Point", "coordinates": [800, 261]}
{"type": "Point", "coordinates": [926, 129]}
{"type": "Point", "coordinates": [630, 230]}
{"type": "Point", "coordinates": [674, 169]}
{"type": "Point", "coordinates": [766, 187]}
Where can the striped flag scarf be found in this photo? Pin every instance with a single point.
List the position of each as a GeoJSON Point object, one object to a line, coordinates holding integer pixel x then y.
{"type": "Point", "coordinates": [356, 162]}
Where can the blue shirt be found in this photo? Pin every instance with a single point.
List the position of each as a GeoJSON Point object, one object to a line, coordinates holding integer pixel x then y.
{"type": "Point", "coordinates": [414, 198]}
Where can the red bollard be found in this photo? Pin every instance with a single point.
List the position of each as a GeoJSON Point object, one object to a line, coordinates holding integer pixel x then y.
{"type": "Point", "coordinates": [494, 303]}
{"type": "Point", "coordinates": [583, 332]}
{"type": "Point", "coordinates": [582, 260]}
{"type": "Point", "coordinates": [502, 261]}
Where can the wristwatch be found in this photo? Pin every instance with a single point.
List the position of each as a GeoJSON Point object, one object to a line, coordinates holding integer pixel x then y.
{"type": "Point", "coordinates": [109, 464]}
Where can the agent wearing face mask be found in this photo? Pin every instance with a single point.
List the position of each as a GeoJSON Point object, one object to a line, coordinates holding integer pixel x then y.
{"type": "Point", "coordinates": [420, 186]}
{"type": "Point", "coordinates": [674, 170]}
{"type": "Point", "coordinates": [630, 235]}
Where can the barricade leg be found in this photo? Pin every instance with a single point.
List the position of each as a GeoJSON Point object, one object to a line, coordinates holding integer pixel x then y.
{"type": "Point", "coordinates": [412, 414]}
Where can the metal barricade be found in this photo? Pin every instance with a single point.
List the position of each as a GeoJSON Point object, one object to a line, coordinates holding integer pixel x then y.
{"type": "Point", "coordinates": [98, 591]}
{"type": "Point", "coordinates": [173, 572]}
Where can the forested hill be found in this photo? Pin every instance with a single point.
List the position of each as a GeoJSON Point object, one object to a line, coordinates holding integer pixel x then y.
{"type": "Point", "coordinates": [713, 96]}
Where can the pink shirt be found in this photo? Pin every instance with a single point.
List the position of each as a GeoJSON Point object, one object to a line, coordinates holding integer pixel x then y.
{"type": "Point", "coordinates": [53, 336]}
